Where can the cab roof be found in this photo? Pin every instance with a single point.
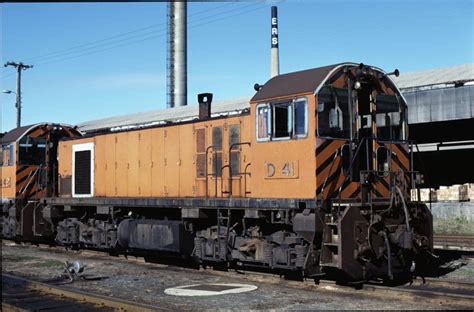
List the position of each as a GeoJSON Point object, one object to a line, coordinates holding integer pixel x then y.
{"type": "Point", "coordinates": [305, 81]}
{"type": "Point", "coordinates": [16, 134]}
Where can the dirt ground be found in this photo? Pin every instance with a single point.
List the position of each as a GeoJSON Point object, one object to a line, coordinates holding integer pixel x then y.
{"type": "Point", "coordinates": [146, 283]}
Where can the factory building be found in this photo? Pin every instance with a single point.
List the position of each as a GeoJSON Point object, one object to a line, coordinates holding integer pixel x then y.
{"type": "Point", "coordinates": [441, 117]}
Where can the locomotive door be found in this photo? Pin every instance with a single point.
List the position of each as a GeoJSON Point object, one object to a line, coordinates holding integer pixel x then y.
{"type": "Point", "coordinates": [365, 131]}
{"type": "Point", "coordinates": [208, 161]}
{"type": "Point", "coordinates": [373, 154]}
{"type": "Point", "coordinates": [200, 161]}
{"type": "Point", "coordinates": [215, 187]}
{"type": "Point", "coordinates": [235, 174]}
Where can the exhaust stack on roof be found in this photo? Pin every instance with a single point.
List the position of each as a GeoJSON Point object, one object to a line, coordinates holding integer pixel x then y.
{"type": "Point", "coordinates": [275, 65]}
{"type": "Point", "coordinates": [205, 100]}
{"type": "Point", "coordinates": [177, 54]}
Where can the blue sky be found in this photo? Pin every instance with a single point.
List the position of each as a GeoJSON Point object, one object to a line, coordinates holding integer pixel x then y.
{"type": "Point", "coordinates": [228, 49]}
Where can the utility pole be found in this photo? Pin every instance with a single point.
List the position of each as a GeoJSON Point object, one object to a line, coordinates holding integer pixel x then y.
{"type": "Point", "coordinates": [19, 67]}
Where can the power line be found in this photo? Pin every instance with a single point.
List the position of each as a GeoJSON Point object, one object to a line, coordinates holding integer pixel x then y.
{"type": "Point", "coordinates": [66, 57]}
{"type": "Point", "coordinates": [8, 75]}
{"type": "Point", "coordinates": [70, 50]}
{"type": "Point", "coordinates": [144, 35]}
{"type": "Point", "coordinates": [77, 49]}
{"type": "Point", "coordinates": [140, 40]}
{"type": "Point", "coordinates": [60, 52]}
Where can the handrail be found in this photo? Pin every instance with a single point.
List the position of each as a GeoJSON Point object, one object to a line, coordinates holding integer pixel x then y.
{"type": "Point", "coordinates": [329, 173]}
{"type": "Point", "coordinates": [230, 163]}
{"type": "Point", "coordinates": [30, 178]}
{"type": "Point", "coordinates": [363, 141]}
{"type": "Point", "coordinates": [424, 170]}
{"type": "Point", "coordinates": [351, 164]}
{"type": "Point", "coordinates": [206, 169]}
{"type": "Point", "coordinates": [245, 179]}
{"type": "Point", "coordinates": [348, 170]}
{"type": "Point", "coordinates": [222, 180]}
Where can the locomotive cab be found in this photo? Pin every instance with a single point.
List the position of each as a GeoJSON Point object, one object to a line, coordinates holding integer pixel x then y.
{"type": "Point", "coordinates": [362, 167]}
{"type": "Point", "coordinates": [369, 202]}
{"type": "Point", "coordinates": [363, 110]}
{"type": "Point", "coordinates": [28, 170]}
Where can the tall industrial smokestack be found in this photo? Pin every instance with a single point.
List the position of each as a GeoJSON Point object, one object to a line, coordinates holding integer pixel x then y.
{"type": "Point", "coordinates": [177, 54]}
{"type": "Point", "coordinates": [275, 66]}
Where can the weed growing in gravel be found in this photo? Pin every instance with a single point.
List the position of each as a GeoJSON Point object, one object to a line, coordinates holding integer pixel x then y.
{"type": "Point", "coordinates": [17, 258]}
{"type": "Point", "coordinates": [51, 263]}
{"type": "Point", "coordinates": [457, 225]}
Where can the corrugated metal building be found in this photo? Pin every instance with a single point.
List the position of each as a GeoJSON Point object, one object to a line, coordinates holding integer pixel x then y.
{"type": "Point", "coordinates": [163, 116]}
{"type": "Point", "coordinates": [439, 94]}
{"type": "Point", "coordinates": [435, 78]}
{"type": "Point", "coordinates": [441, 116]}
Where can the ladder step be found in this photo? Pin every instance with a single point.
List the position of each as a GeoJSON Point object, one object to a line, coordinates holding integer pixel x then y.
{"type": "Point", "coordinates": [331, 244]}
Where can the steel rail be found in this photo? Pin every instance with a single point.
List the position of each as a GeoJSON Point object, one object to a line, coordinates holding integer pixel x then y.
{"type": "Point", "coordinates": [87, 297]}
{"type": "Point", "coordinates": [11, 308]}
{"type": "Point", "coordinates": [455, 242]}
{"type": "Point", "coordinates": [445, 283]}
{"type": "Point", "coordinates": [370, 290]}
{"type": "Point", "coordinates": [454, 236]}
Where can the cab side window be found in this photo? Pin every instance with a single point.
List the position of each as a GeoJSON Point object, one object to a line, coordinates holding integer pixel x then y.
{"type": "Point", "coordinates": [301, 120]}
{"type": "Point", "coordinates": [264, 127]}
{"type": "Point", "coordinates": [7, 157]}
{"type": "Point", "coordinates": [282, 120]}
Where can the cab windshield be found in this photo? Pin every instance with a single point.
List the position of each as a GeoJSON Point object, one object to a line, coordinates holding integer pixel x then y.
{"type": "Point", "coordinates": [334, 114]}
{"type": "Point", "coordinates": [390, 117]}
{"type": "Point", "coordinates": [32, 151]}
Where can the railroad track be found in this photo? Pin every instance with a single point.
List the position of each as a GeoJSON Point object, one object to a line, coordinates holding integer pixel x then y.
{"type": "Point", "coordinates": [20, 294]}
{"type": "Point", "coordinates": [444, 292]}
{"type": "Point", "coordinates": [454, 242]}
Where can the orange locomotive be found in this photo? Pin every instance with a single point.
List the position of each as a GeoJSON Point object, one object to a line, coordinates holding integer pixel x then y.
{"type": "Point", "coordinates": [314, 178]}
{"type": "Point", "coordinates": [29, 173]}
